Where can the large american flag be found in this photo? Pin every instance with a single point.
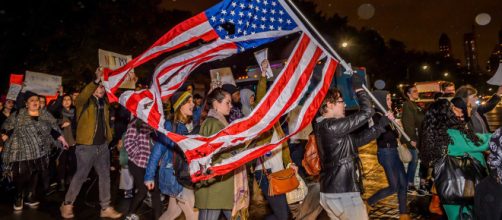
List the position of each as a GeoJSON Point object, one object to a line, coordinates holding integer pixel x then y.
{"type": "Point", "coordinates": [228, 28]}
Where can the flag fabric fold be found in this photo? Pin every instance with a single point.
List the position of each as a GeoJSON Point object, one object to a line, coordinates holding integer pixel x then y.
{"type": "Point", "coordinates": [228, 28]}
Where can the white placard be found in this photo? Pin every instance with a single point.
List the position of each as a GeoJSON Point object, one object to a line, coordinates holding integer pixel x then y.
{"type": "Point", "coordinates": [14, 90]}
{"type": "Point", "coordinates": [41, 83]}
{"type": "Point", "coordinates": [260, 57]}
{"type": "Point", "coordinates": [113, 61]}
{"type": "Point", "coordinates": [225, 75]}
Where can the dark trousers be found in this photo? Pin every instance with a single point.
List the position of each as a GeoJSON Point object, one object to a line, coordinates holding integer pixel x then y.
{"type": "Point", "coordinates": [138, 174]}
{"type": "Point", "coordinates": [278, 203]}
{"type": "Point", "coordinates": [67, 164]}
{"type": "Point", "coordinates": [396, 178]}
{"type": "Point", "coordinates": [297, 151]}
{"type": "Point", "coordinates": [26, 174]}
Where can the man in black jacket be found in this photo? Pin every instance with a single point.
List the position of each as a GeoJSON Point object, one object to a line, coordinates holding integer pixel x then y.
{"type": "Point", "coordinates": [341, 171]}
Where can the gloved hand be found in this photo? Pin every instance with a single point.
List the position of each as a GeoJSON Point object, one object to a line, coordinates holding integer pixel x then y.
{"type": "Point", "coordinates": [357, 81]}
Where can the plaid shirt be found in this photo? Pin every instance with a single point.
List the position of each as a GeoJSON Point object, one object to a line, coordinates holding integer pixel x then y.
{"type": "Point", "coordinates": [137, 143]}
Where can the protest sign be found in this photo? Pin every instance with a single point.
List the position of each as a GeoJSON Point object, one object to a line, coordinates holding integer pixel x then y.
{"type": "Point", "coordinates": [224, 75]}
{"type": "Point", "coordinates": [41, 83]}
{"type": "Point", "coordinates": [113, 61]}
{"type": "Point", "coordinates": [13, 92]}
{"type": "Point", "coordinates": [260, 57]}
{"type": "Point", "coordinates": [16, 79]}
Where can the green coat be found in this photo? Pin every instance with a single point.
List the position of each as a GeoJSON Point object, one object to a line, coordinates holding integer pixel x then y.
{"type": "Point", "coordinates": [86, 107]}
{"type": "Point", "coordinates": [412, 119]}
{"type": "Point", "coordinates": [218, 192]}
{"type": "Point", "coordinates": [460, 146]}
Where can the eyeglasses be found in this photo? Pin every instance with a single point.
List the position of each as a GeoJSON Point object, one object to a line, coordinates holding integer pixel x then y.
{"type": "Point", "coordinates": [339, 101]}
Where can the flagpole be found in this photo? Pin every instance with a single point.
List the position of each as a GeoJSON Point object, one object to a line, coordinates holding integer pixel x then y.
{"type": "Point", "coordinates": [347, 67]}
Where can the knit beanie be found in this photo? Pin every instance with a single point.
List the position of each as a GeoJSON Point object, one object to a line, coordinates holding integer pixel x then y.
{"type": "Point", "coordinates": [179, 98]}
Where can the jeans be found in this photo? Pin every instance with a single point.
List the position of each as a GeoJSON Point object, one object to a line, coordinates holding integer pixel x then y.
{"type": "Point", "coordinates": [394, 171]}
{"type": "Point", "coordinates": [89, 156]}
{"type": "Point", "coordinates": [138, 174]}
{"type": "Point", "coordinates": [344, 206]}
{"type": "Point", "coordinates": [412, 166]}
{"type": "Point", "coordinates": [214, 214]}
{"type": "Point", "coordinates": [278, 203]}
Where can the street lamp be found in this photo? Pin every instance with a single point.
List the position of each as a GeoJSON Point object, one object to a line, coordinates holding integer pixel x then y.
{"type": "Point", "coordinates": [425, 67]}
{"type": "Point", "coordinates": [446, 74]}
{"type": "Point", "coordinates": [345, 44]}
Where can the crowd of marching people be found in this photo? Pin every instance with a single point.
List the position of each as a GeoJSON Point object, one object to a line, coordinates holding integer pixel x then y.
{"type": "Point", "coordinates": [449, 143]}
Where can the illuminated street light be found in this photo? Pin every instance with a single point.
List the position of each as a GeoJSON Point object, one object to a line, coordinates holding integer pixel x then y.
{"type": "Point", "coordinates": [490, 89]}
{"type": "Point", "coordinates": [425, 67]}
{"type": "Point", "coordinates": [345, 44]}
{"type": "Point", "coordinates": [446, 74]}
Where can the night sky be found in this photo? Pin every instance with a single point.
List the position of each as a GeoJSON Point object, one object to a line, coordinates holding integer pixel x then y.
{"type": "Point", "coordinates": [418, 23]}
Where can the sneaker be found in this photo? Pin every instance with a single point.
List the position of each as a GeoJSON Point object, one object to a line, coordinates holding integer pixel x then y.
{"type": "Point", "coordinates": [132, 217]}
{"type": "Point", "coordinates": [66, 211]}
{"type": "Point", "coordinates": [110, 213]}
{"type": "Point", "coordinates": [31, 202]}
{"type": "Point", "coordinates": [18, 205]}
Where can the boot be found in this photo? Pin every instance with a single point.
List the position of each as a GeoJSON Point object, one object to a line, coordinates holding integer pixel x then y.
{"type": "Point", "coordinates": [110, 213]}
{"type": "Point", "coordinates": [31, 201]}
{"type": "Point", "coordinates": [66, 211]}
{"type": "Point", "coordinates": [18, 204]}
{"type": "Point", "coordinates": [404, 217]}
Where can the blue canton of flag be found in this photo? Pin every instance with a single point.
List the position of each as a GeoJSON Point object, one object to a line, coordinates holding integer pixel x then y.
{"type": "Point", "coordinates": [242, 20]}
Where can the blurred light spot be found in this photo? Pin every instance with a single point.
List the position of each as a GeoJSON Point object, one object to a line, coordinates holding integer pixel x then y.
{"type": "Point", "coordinates": [366, 11]}
{"type": "Point", "coordinates": [483, 19]}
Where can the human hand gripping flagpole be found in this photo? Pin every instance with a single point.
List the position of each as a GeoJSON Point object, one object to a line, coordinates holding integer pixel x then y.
{"type": "Point", "coordinates": [347, 66]}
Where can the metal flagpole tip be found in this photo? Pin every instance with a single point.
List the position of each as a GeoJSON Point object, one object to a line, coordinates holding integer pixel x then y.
{"type": "Point", "coordinates": [379, 84]}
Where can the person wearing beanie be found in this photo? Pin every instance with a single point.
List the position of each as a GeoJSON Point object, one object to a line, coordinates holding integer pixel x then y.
{"type": "Point", "coordinates": [388, 158]}
{"type": "Point", "coordinates": [181, 197]}
{"type": "Point", "coordinates": [236, 110]}
{"type": "Point", "coordinates": [28, 135]}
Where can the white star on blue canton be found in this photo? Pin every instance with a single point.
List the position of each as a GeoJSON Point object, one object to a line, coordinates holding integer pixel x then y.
{"type": "Point", "coordinates": [242, 6]}
{"type": "Point", "coordinates": [213, 18]}
{"type": "Point", "coordinates": [241, 14]}
{"type": "Point", "coordinates": [224, 12]}
{"type": "Point", "coordinates": [234, 4]}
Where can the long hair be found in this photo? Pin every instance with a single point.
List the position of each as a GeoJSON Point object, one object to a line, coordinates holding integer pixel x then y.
{"type": "Point", "coordinates": [435, 139]}
{"type": "Point", "coordinates": [178, 116]}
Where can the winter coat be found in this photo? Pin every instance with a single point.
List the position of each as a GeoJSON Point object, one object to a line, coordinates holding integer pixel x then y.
{"type": "Point", "coordinates": [412, 119]}
{"type": "Point", "coordinates": [29, 138]}
{"type": "Point", "coordinates": [218, 192]}
{"type": "Point", "coordinates": [388, 139]}
{"type": "Point", "coordinates": [163, 152]}
{"type": "Point", "coordinates": [340, 163]}
{"type": "Point", "coordinates": [478, 122]}
{"type": "Point", "coordinates": [87, 118]}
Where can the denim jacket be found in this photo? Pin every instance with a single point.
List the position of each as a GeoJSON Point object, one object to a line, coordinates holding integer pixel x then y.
{"type": "Point", "coordinates": [162, 151]}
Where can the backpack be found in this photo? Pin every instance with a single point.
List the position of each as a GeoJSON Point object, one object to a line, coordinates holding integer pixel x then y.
{"type": "Point", "coordinates": [311, 161]}
{"type": "Point", "coordinates": [180, 164]}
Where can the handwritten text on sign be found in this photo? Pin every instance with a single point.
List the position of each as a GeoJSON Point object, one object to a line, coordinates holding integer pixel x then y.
{"type": "Point", "coordinates": [113, 61]}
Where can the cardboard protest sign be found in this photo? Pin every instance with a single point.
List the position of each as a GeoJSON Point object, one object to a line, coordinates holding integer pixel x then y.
{"type": "Point", "coordinates": [13, 92]}
{"type": "Point", "coordinates": [42, 83]}
{"type": "Point", "coordinates": [16, 79]}
{"type": "Point", "coordinates": [260, 57]}
{"type": "Point", "coordinates": [224, 75]}
{"type": "Point", "coordinates": [113, 61]}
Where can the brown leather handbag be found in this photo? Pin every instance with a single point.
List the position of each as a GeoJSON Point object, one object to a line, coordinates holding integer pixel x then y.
{"type": "Point", "coordinates": [280, 182]}
{"type": "Point", "coordinates": [311, 161]}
